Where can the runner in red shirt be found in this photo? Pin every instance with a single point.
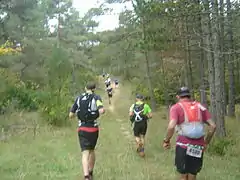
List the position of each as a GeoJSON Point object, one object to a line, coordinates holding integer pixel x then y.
{"type": "Point", "coordinates": [189, 117]}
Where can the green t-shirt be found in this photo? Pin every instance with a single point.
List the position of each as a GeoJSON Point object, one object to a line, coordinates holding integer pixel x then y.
{"type": "Point", "coordinates": [146, 107]}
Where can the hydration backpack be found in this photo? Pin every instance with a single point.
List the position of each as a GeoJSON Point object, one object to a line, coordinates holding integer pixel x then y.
{"type": "Point", "coordinates": [87, 108]}
{"type": "Point", "coordinates": [193, 126]}
{"type": "Point", "coordinates": [138, 113]}
{"type": "Point", "coordinates": [109, 90]}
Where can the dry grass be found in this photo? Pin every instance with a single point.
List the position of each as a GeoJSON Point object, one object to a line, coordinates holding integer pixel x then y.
{"type": "Point", "coordinates": [54, 153]}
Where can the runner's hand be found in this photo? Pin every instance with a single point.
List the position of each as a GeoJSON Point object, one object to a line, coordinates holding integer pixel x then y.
{"type": "Point", "coordinates": [166, 145]}
{"type": "Point", "coordinates": [205, 146]}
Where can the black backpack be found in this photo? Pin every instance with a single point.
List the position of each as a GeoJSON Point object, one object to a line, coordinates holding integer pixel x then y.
{"type": "Point", "coordinates": [87, 108]}
{"type": "Point", "coordinates": [138, 113]}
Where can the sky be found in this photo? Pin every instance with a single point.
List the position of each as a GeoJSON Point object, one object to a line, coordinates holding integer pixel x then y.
{"type": "Point", "coordinates": [106, 22]}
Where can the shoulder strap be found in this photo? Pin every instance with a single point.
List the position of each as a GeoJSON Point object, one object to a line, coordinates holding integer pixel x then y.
{"type": "Point", "coordinates": [92, 103]}
{"type": "Point", "coordinates": [84, 95]}
{"type": "Point", "coordinates": [79, 99]}
{"type": "Point", "coordinates": [186, 118]}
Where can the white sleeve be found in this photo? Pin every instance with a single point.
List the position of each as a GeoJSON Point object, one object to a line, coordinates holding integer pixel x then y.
{"type": "Point", "coordinates": [202, 107]}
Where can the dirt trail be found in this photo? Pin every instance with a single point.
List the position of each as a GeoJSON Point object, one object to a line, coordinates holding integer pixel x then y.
{"type": "Point", "coordinates": [119, 107]}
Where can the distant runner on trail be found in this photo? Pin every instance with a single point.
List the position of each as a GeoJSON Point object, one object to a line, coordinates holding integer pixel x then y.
{"type": "Point", "coordinates": [103, 75]}
{"type": "Point", "coordinates": [110, 93]}
{"type": "Point", "coordinates": [139, 114]}
{"type": "Point", "coordinates": [116, 83]}
{"type": "Point", "coordinates": [189, 118]}
{"type": "Point", "coordinates": [88, 107]}
{"type": "Point", "coordinates": [108, 81]}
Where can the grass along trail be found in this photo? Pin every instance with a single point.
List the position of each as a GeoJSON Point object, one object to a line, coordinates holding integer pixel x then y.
{"type": "Point", "coordinates": [158, 164]}
{"type": "Point", "coordinates": [54, 153]}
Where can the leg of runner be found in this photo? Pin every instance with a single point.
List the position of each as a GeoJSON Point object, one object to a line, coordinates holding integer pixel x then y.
{"type": "Point", "coordinates": [142, 137]}
{"type": "Point", "coordinates": [186, 165]}
{"type": "Point", "coordinates": [85, 164]}
{"type": "Point", "coordinates": [184, 177]}
{"type": "Point", "coordinates": [143, 131]}
{"type": "Point", "coordinates": [88, 141]}
{"type": "Point", "coordinates": [138, 142]}
{"type": "Point", "coordinates": [141, 146]}
{"type": "Point", "coordinates": [192, 177]}
{"type": "Point", "coordinates": [91, 162]}
{"type": "Point", "coordinates": [137, 134]}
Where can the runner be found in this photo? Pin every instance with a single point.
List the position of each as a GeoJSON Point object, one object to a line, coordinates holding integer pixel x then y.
{"type": "Point", "coordinates": [110, 93]}
{"type": "Point", "coordinates": [88, 107]}
{"type": "Point", "coordinates": [103, 75]}
{"type": "Point", "coordinates": [107, 81]}
{"type": "Point", "coordinates": [139, 114]}
{"type": "Point", "coordinates": [116, 83]}
{"type": "Point", "coordinates": [189, 118]}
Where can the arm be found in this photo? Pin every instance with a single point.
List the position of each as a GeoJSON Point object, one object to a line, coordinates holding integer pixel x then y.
{"type": "Point", "coordinates": [171, 127]}
{"type": "Point", "coordinates": [73, 109]}
{"type": "Point", "coordinates": [170, 130]}
{"type": "Point", "coordinates": [149, 111]}
{"type": "Point", "coordinates": [131, 110]}
{"type": "Point", "coordinates": [101, 109]}
{"type": "Point", "coordinates": [71, 115]}
{"type": "Point", "coordinates": [211, 125]}
{"type": "Point", "coordinates": [211, 130]}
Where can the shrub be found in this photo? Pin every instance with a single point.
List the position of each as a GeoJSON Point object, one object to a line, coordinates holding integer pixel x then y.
{"type": "Point", "coordinates": [220, 146]}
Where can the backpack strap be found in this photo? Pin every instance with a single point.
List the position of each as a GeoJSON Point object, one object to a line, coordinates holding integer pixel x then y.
{"type": "Point", "coordinates": [90, 105]}
{"type": "Point", "coordinates": [79, 99]}
{"type": "Point", "coordinates": [137, 114]}
{"type": "Point", "coordinates": [186, 120]}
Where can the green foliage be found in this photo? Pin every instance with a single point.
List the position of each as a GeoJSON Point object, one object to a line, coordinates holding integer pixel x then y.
{"type": "Point", "coordinates": [197, 96]}
{"type": "Point", "coordinates": [53, 99]}
{"type": "Point", "coordinates": [221, 146]}
{"type": "Point", "coordinates": [158, 93]}
{"type": "Point", "coordinates": [56, 97]}
{"type": "Point", "coordinates": [54, 108]}
{"type": "Point", "coordinates": [15, 92]}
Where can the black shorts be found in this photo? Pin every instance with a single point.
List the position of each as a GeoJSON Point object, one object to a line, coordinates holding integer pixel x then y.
{"type": "Point", "coordinates": [110, 95]}
{"type": "Point", "coordinates": [88, 140]}
{"type": "Point", "coordinates": [187, 164]}
{"type": "Point", "coordinates": [140, 128]}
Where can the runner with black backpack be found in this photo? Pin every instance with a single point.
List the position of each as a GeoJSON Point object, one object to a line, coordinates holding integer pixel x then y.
{"type": "Point", "coordinates": [107, 81]}
{"type": "Point", "coordinates": [140, 113]}
{"type": "Point", "coordinates": [88, 107]}
{"type": "Point", "coordinates": [109, 90]}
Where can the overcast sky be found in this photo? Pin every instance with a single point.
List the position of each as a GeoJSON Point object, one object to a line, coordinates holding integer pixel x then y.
{"type": "Point", "coordinates": [106, 22]}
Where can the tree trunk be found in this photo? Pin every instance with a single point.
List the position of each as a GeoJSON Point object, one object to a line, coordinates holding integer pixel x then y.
{"type": "Point", "coordinates": [211, 70]}
{"type": "Point", "coordinates": [222, 57]}
{"type": "Point", "coordinates": [163, 77]}
{"type": "Point", "coordinates": [237, 75]}
{"type": "Point", "coordinates": [203, 96]}
{"type": "Point", "coordinates": [230, 49]}
{"type": "Point", "coordinates": [218, 72]}
{"type": "Point", "coordinates": [148, 74]}
{"type": "Point", "coordinates": [58, 27]}
{"type": "Point", "coordinates": [187, 59]}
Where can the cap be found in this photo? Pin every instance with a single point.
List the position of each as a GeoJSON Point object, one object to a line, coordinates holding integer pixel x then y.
{"type": "Point", "coordinates": [91, 85]}
{"type": "Point", "coordinates": [183, 91]}
{"type": "Point", "coordinates": [139, 96]}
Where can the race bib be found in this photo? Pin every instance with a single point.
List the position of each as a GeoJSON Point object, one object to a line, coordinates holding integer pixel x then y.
{"type": "Point", "coordinates": [194, 152]}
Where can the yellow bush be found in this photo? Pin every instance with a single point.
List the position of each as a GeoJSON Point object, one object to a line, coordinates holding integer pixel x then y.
{"type": "Point", "coordinates": [6, 49]}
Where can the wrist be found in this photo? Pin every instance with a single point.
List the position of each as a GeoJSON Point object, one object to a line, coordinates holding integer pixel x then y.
{"type": "Point", "coordinates": [165, 140]}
